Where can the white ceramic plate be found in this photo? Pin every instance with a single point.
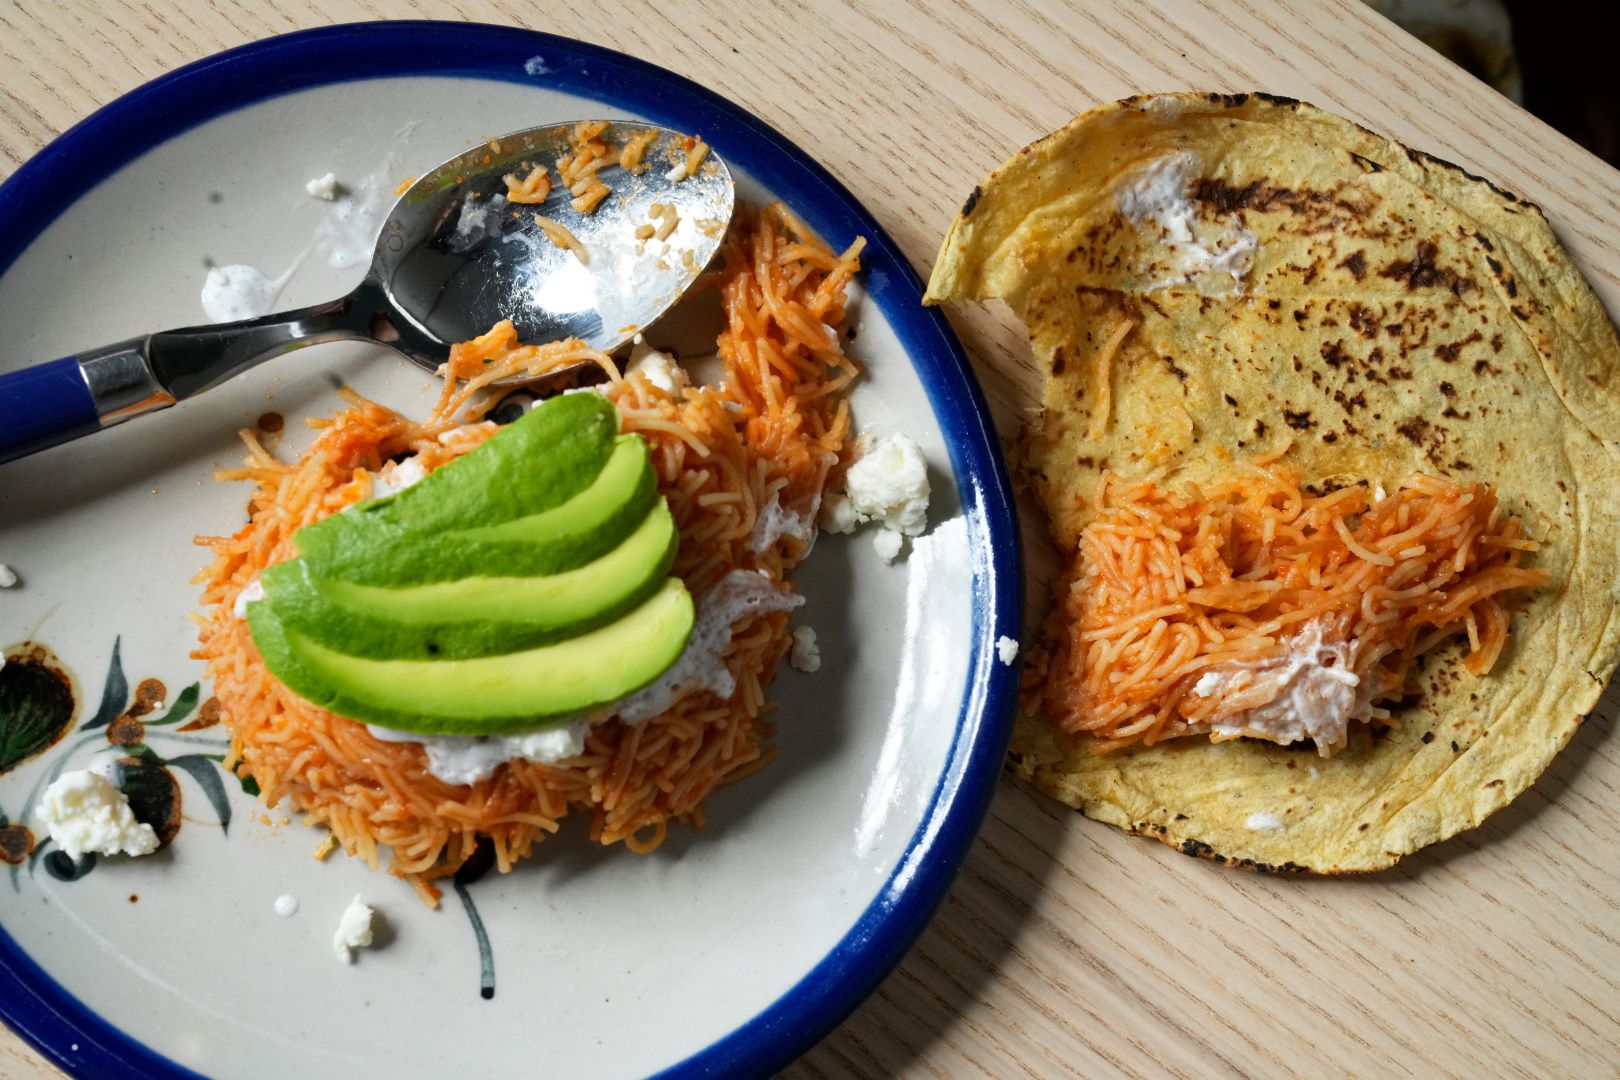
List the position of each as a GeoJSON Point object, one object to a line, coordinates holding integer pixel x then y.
{"type": "Point", "coordinates": [727, 950]}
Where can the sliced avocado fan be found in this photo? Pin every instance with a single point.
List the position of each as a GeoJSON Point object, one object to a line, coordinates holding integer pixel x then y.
{"type": "Point", "coordinates": [513, 588]}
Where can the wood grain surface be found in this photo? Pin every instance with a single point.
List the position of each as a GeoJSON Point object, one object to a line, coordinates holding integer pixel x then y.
{"type": "Point", "coordinates": [1067, 948]}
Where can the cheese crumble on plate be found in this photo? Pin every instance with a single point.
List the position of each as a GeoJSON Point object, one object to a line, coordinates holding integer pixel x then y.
{"type": "Point", "coordinates": [888, 485]}
{"type": "Point", "coordinates": [86, 814]}
{"type": "Point", "coordinates": [323, 187]}
{"type": "Point", "coordinates": [806, 655]}
{"type": "Point", "coordinates": [354, 930]}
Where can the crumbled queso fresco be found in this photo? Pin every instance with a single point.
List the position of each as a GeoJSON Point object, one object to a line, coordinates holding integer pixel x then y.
{"type": "Point", "coordinates": [887, 545]}
{"type": "Point", "coordinates": [323, 187]}
{"type": "Point", "coordinates": [656, 366]}
{"type": "Point", "coordinates": [1007, 649]}
{"type": "Point", "coordinates": [806, 655]}
{"type": "Point", "coordinates": [87, 814]}
{"type": "Point", "coordinates": [354, 930]}
{"type": "Point", "coordinates": [889, 485]}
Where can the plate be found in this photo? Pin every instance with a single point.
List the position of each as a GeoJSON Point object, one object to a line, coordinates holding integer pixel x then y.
{"type": "Point", "coordinates": [729, 949]}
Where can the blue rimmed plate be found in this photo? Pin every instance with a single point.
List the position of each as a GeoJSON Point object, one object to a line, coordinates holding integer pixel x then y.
{"type": "Point", "coordinates": [730, 949]}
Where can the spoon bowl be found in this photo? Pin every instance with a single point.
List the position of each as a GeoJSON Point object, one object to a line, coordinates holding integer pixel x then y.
{"type": "Point", "coordinates": [455, 255]}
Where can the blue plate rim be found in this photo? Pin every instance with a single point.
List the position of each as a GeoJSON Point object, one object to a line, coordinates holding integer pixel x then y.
{"type": "Point", "coordinates": [81, 1042]}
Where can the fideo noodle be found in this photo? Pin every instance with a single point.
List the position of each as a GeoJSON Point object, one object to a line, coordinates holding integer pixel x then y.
{"type": "Point", "coordinates": [1216, 609]}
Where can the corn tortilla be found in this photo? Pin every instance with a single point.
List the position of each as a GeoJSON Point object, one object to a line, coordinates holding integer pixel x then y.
{"type": "Point", "coordinates": [1293, 280]}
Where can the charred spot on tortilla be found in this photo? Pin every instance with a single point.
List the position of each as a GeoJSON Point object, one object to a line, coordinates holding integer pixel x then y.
{"type": "Point", "coordinates": [1288, 296]}
{"type": "Point", "coordinates": [1422, 272]}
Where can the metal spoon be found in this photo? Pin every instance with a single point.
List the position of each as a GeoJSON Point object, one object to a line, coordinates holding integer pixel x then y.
{"type": "Point", "coordinates": [452, 259]}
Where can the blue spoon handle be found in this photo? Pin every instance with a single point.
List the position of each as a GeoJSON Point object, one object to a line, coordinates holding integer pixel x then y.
{"type": "Point", "coordinates": [45, 405]}
{"type": "Point", "coordinates": [51, 403]}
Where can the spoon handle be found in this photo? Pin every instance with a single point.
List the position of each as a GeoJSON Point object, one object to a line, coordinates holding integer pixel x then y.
{"type": "Point", "coordinates": [55, 402]}
{"type": "Point", "coordinates": [45, 405]}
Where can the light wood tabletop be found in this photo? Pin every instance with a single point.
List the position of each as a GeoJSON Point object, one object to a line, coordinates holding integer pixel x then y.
{"type": "Point", "coordinates": [1067, 947]}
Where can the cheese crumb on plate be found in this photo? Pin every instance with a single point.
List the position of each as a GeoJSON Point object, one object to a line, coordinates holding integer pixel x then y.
{"type": "Point", "coordinates": [887, 544]}
{"type": "Point", "coordinates": [86, 814]}
{"type": "Point", "coordinates": [806, 655]}
{"type": "Point", "coordinates": [888, 485]}
{"type": "Point", "coordinates": [354, 930]}
{"type": "Point", "coordinates": [323, 187]}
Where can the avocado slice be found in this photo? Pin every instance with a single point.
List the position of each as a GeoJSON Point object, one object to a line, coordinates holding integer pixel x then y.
{"type": "Point", "coordinates": [516, 691]}
{"type": "Point", "coordinates": [564, 536]}
{"type": "Point", "coordinates": [573, 435]}
{"type": "Point", "coordinates": [473, 616]}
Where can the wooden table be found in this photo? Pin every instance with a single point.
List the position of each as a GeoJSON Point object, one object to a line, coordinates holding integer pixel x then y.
{"type": "Point", "coordinates": [1067, 947]}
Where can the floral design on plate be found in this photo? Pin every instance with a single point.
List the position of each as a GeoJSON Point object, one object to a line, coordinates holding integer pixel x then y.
{"type": "Point", "coordinates": [38, 705]}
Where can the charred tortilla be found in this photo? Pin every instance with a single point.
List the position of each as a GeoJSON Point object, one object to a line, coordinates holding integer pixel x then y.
{"type": "Point", "coordinates": [1293, 280]}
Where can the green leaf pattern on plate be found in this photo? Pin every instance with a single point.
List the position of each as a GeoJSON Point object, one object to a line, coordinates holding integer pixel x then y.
{"type": "Point", "coordinates": [114, 693]}
{"type": "Point", "coordinates": [183, 707]}
{"type": "Point", "coordinates": [33, 716]}
{"type": "Point", "coordinates": [36, 707]}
